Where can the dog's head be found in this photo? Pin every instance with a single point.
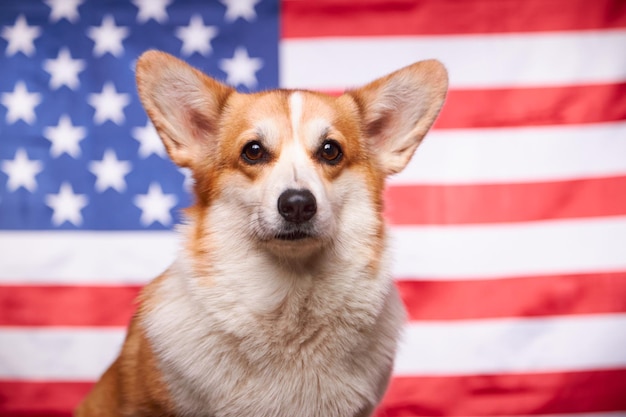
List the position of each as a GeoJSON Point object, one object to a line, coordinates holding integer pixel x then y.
{"type": "Point", "coordinates": [291, 170]}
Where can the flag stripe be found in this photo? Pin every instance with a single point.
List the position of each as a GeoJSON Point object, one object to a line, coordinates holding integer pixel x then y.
{"type": "Point", "coordinates": [508, 107]}
{"type": "Point", "coordinates": [86, 257]}
{"type": "Point", "coordinates": [534, 296]}
{"type": "Point", "coordinates": [58, 353]}
{"type": "Point", "coordinates": [49, 305]}
{"type": "Point", "coordinates": [512, 345]}
{"type": "Point", "coordinates": [524, 154]}
{"type": "Point", "coordinates": [566, 394]}
{"type": "Point", "coordinates": [476, 61]}
{"type": "Point", "coordinates": [507, 395]}
{"type": "Point", "coordinates": [303, 19]}
{"type": "Point", "coordinates": [41, 398]}
{"type": "Point", "coordinates": [517, 202]}
{"type": "Point", "coordinates": [529, 154]}
{"type": "Point", "coordinates": [428, 348]}
{"type": "Point", "coordinates": [499, 250]}
{"type": "Point", "coordinates": [479, 252]}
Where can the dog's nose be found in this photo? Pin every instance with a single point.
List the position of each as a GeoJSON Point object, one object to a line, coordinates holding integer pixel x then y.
{"type": "Point", "coordinates": [297, 206]}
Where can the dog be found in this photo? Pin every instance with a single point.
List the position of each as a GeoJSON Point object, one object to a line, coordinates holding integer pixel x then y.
{"type": "Point", "coordinates": [280, 302]}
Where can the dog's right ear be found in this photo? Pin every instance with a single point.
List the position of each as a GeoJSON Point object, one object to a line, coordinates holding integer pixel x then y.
{"type": "Point", "coordinates": [399, 109]}
{"type": "Point", "coordinates": [183, 103]}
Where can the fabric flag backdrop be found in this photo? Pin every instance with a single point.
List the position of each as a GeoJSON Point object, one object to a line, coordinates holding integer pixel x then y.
{"type": "Point", "coordinates": [509, 225]}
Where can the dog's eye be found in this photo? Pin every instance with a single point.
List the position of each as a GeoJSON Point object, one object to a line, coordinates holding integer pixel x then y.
{"type": "Point", "coordinates": [253, 153]}
{"type": "Point", "coordinates": [330, 152]}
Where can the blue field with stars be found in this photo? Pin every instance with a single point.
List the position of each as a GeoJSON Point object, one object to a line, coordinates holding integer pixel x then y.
{"type": "Point", "coordinates": [77, 150]}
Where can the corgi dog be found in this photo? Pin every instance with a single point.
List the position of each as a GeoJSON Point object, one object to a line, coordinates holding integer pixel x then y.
{"type": "Point", "coordinates": [280, 302]}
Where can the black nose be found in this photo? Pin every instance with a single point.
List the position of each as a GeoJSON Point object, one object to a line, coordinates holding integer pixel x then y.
{"type": "Point", "coordinates": [297, 206]}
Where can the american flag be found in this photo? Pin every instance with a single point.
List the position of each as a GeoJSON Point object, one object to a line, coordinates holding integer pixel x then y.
{"type": "Point", "coordinates": [509, 225]}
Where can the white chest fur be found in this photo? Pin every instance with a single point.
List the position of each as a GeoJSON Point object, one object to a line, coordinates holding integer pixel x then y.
{"type": "Point", "coordinates": [327, 351]}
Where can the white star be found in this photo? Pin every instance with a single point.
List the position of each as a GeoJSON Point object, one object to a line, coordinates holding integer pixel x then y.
{"type": "Point", "coordinates": [239, 8]}
{"type": "Point", "coordinates": [196, 37]}
{"type": "Point", "coordinates": [21, 104]}
{"type": "Point", "coordinates": [21, 37]}
{"type": "Point", "coordinates": [108, 37]}
{"type": "Point", "coordinates": [110, 172]}
{"type": "Point", "coordinates": [65, 137]}
{"type": "Point", "coordinates": [21, 171]}
{"type": "Point", "coordinates": [241, 68]}
{"type": "Point", "coordinates": [155, 206]}
{"type": "Point", "coordinates": [64, 70]}
{"type": "Point", "coordinates": [66, 205]}
{"type": "Point", "coordinates": [109, 104]}
{"type": "Point", "coordinates": [63, 9]}
{"type": "Point", "coordinates": [151, 9]}
{"type": "Point", "coordinates": [149, 141]}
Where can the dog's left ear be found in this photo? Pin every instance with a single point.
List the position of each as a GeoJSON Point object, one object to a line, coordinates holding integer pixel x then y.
{"type": "Point", "coordinates": [397, 110]}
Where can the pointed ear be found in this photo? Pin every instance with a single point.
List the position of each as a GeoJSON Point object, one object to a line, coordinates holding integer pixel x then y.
{"type": "Point", "coordinates": [183, 103]}
{"type": "Point", "coordinates": [397, 110]}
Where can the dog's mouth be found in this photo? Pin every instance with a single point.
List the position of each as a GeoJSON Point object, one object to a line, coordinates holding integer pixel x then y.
{"type": "Point", "coordinates": [293, 235]}
{"type": "Point", "coordinates": [294, 241]}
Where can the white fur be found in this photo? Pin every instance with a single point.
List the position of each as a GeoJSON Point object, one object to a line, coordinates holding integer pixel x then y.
{"type": "Point", "coordinates": [295, 111]}
{"type": "Point", "coordinates": [216, 352]}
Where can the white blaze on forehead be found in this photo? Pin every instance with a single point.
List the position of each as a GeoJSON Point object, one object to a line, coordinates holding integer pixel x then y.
{"type": "Point", "coordinates": [295, 109]}
{"type": "Point", "coordinates": [294, 150]}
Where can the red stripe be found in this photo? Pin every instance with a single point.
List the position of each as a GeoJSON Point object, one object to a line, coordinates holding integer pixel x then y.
{"type": "Point", "coordinates": [578, 104]}
{"type": "Point", "coordinates": [41, 399]}
{"type": "Point", "coordinates": [476, 395]}
{"type": "Point", "coordinates": [515, 297]}
{"type": "Point", "coordinates": [305, 19]}
{"type": "Point", "coordinates": [506, 395]}
{"type": "Point", "coordinates": [505, 203]}
{"type": "Point", "coordinates": [66, 305]}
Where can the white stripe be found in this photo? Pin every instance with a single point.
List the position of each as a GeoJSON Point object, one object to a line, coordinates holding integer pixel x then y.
{"type": "Point", "coordinates": [428, 348]}
{"type": "Point", "coordinates": [85, 257]}
{"type": "Point", "coordinates": [513, 345]}
{"type": "Point", "coordinates": [473, 61]}
{"type": "Point", "coordinates": [58, 354]}
{"type": "Point", "coordinates": [505, 250]}
{"type": "Point", "coordinates": [429, 252]}
{"type": "Point", "coordinates": [465, 156]}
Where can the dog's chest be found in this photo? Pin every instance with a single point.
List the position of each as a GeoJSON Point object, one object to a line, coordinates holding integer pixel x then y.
{"type": "Point", "coordinates": [287, 389]}
{"type": "Point", "coordinates": [300, 365]}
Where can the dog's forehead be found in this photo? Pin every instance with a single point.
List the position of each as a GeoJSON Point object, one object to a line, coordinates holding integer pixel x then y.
{"type": "Point", "coordinates": [290, 113]}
